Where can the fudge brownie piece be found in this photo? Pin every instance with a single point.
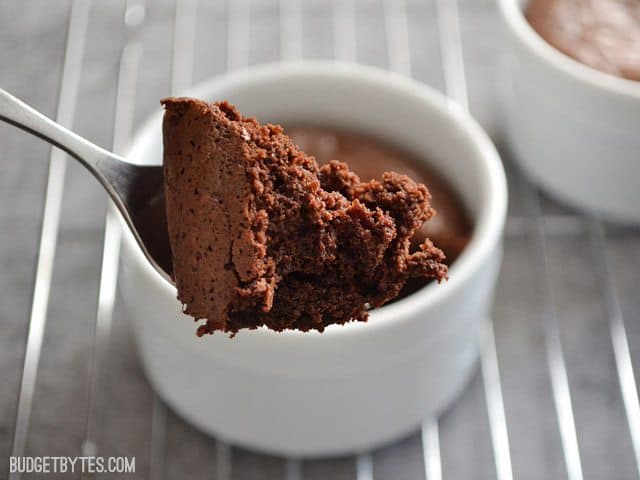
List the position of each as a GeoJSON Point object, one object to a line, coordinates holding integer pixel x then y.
{"type": "Point", "coordinates": [261, 235]}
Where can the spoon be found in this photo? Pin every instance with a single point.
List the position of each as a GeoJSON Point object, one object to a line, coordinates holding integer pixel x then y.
{"type": "Point", "coordinates": [133, 188]}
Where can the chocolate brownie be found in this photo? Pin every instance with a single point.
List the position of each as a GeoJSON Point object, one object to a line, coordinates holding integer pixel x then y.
{"type": "Point", "coordinates": [369, 158]}
{"type": "Point", "coordinates": [261, 235]}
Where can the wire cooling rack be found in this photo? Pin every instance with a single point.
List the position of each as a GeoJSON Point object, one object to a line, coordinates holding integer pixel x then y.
{"type": "Point", "coordinates": [555, 395]}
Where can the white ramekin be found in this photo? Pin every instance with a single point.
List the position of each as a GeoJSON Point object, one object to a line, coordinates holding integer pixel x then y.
{"type": "Point", "coordinates": [356, 386]}
{"type": "Point", "coordinates": [573, 130]}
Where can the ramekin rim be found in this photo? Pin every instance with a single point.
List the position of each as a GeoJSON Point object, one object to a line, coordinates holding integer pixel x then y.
{"type": "Point", "coordinates": [488, 226]}
{"type": "Point", "coordinates": [515, 20]}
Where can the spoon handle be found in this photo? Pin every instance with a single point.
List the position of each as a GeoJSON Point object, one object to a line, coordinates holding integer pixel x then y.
{"type": "Point", "coordinates": [21, 115]}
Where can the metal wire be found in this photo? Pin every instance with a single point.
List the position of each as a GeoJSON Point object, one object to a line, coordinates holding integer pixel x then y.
{"type": "Point", "coordinates": [364, 466]}
{"type": "Point", "coordinates": [181, 75]}
{"type": "Point", "coordinates": [290, 30]}
{"type": "Point", "coordinates": [293, 469]}
{"type": "Point", "coordinates": [495, 403]}
{"type": "Point", "coordinates": [224, 461]}
{"type": "Point", "coordinates": [455, 80]}
{"type": "Point", "coordinates": [184, 36]}
{"type": "Point", "coordinates": [50, 224]}
{"type": "Point", "coordinates": [397, 34]}
{"type": "Point", "coordinates": [123, 118]}
{"type": "Point", "coordinates": [555, 356]}
{"type": "Point", "coordinates": [344, 30]}
{"type": "Point", "coordinates": [448, 18]}
{"type": "Point", "coordinates": [237, 34]}
{"type": "Point", "coordinates": [345, 49]}
{"type": "Point", "coordinates": [157, 447]}
{"type": "Point", "coordinates": [622, 355]}
{"type": "Point", "coordinates": [431, 450]}
{"type": "Point", "coordinates": [399, 61]}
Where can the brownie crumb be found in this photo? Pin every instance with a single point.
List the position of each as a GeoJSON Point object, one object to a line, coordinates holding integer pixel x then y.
{"type": "Point", "coordinates": [261, 235]}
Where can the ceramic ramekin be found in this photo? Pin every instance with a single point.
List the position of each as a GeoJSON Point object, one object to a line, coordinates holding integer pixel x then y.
{"type": "Point", "coordinates": [356, 386]}
{"type": "Point", "coordinates": [573, 130]}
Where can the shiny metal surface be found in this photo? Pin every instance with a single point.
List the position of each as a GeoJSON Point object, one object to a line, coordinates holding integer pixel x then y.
{"type": "Point", "coordinates": [131, 187]}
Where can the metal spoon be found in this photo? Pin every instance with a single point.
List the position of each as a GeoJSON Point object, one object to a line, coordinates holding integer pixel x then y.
{"type": "Point", "coordinates": [133, 188]}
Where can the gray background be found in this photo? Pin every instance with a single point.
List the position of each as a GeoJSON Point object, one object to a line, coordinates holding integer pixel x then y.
{"type": "Point", "coordinates": [569, 294]}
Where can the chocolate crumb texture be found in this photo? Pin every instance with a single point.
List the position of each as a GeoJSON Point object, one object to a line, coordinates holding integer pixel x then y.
{"type": "Point", "coordinates": [261, 235]}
